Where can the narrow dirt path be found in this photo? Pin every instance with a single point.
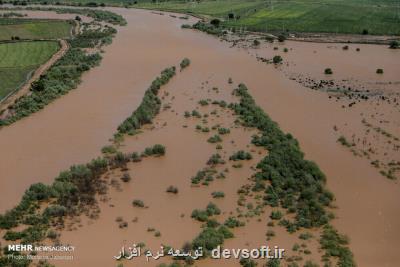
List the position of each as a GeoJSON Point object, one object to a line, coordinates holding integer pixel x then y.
{"type": "Point", "coordinates": [24, 90]}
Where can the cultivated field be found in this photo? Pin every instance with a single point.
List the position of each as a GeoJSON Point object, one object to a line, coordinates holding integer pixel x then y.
{"type": "Point", "coordinates": [34, 29]}
{"type": "Point", "coordinates": [17, 60]}
{"type": "Point", "coordinates": [341, 16]}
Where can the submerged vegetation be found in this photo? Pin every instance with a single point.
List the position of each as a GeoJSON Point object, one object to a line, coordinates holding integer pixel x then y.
{"type": "Point", "coordinates": [45, 207]}
{"type": "Point", "coordinates": [288, 180]}
{"type": "Point", "coordinates": [295, 183]}
{"type": "Point", "coordinates": [156, 150]}
{"type": "Point", "coordinates": [150, 105]}
{"type": "Point", "coordinates": [277, 59]}
{"type": "Point", "coordinates": [240, 155]}
{"type": "Point", "coordinates": [185, 63]}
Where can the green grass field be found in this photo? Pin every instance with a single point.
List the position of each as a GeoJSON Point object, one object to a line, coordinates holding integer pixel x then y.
{"type": "Point", "coordinates": [34, 29]}
{"type": "Point", "coordinates": [337, 16]}
{"type": "Point", "coordinates": [18, 60]}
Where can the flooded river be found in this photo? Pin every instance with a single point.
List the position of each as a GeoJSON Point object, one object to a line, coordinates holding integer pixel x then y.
{"type": "Point", "coordinates": [74, 128]}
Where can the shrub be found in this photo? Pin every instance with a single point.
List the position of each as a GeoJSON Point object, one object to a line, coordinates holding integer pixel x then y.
{"type": "Point", "coordinates": [241, 155]}
{"type": "Point", "coordinates": [394, 45]}
{"type": "Point", "coordinates": [210, 238]}
{"type": "Point", "coordinates": [199, 215]}
{"type": "Point", "coordinates": [256, 42]}
{"type": "Point", "coordinates": [276, 215]}
{"type": "Point", "coordinates": [126, 177]}
{"type": "Point", "coordinates": [138, 203]}
{"type": "Point", "coordinates": [13, 236]}
{"type": "Point", "coordinates": [346, 47]}
{"type": "Point", "coordinates": [270, 233]}
{"type": "Point", "coordinates": [212, 209]}
{"type": "Point", "coordinates": [281, 38]}
{"type": "Point", "coordinates": [237, 165]}
{"type": "Point", "coordinates": [305, 236]}
{"type": "Point", "coordinates": [202, 215]}
{"type": "Point", "coordinates": [335, 245]}
{"type": "Point", "coordinates": [205, 174]}
{"type": "Point", "coordinates": [209, 28]}
{"type": "Point", "coordinates": [215, 159]}
{"type": "Point", "coordinates": [203, 102]}
{"type": "Point", "coordinates": [215, 22]}
{"type": "Point", "coordinates": [214, 139]}
{"type": "Point", "coordinates": [122, 224]}
{"type": "Point", "coordinates": [108, 150]}
{"type": "Point", "coordinates": [136, 157]}
{"type": "Point", "coordinates": [196, 114]}
{"type": "Point", "coordinates": [172, 189]}
{"type": "Point", "coordinates": [39, 192]}
{"type": "Point", "coordinates": [328, 71]}
{"type": "Point", "coordinates": [223, 131]}
{"type": "Point", "coordinates": [247, 262]}
{"type": "Point", "coordinates": [52, 234]}
{"type": "Point", "coordinates": [185, 63]}
{"type": "Point", "coordinates": [344, 141]}
{"type": "Point", "coordinates": [232, 222]}
{"type": "Point", "coordinates": [205, 129]}
{"type": "Point", "coordinates": [218, 194]}
{"type": "Point", "coordinates": [55, 211]}
{"type": "Point", "coordinates": [277, 59]}
{"type": "Point", "coordinates": [273, 263]}
{"type": "Point", "coordinates": [379, 71]}
{"type": "Point", "coordinates": [157, 150]}
{"type": "Point", "coordinates": [285, 50]}
{"type": "Point", "coordinates": [365, 32]}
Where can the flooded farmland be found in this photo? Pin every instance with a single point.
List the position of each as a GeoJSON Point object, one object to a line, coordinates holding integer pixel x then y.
{"type": "Point", "coordinates": [74, 128]}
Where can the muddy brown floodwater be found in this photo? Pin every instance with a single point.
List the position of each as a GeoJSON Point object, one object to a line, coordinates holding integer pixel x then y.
{"type": "Point", "coordinates": [74, 128]}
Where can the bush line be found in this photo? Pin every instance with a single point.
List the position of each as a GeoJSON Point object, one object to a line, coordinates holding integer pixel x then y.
{"type": "Point", "coordinates": [150, 105]}
{"type": "Point", "coordinates": [295, 183]}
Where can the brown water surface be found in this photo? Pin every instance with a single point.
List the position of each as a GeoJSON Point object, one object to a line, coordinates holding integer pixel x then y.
{"type": "Point", "coordinates": [75, 127]}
